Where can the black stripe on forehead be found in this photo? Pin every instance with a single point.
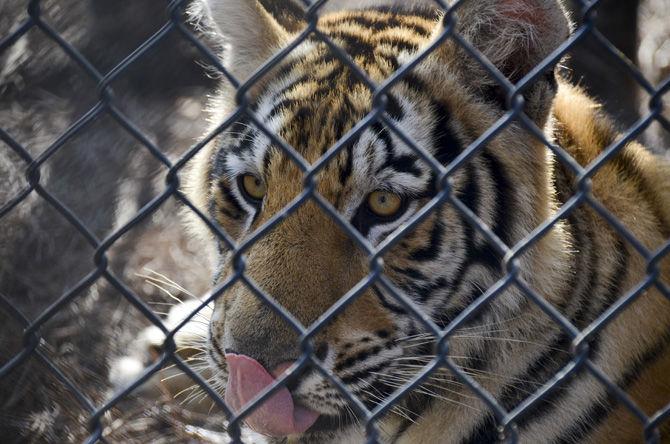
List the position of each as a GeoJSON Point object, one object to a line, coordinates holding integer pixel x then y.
{"type": "Point", "coordinates": [302, 68]}
{"type": "Point", "coordinates": [424, 11]}
{"type": "Point", "coordinates": [239, 126]}
{"type": "Point", "coordinates": [326, 87]}
{"type": "Point", "coordinates": [356, 47]}
{"type": "Point", "coordinates": [236, 141]}
{"type": "Point", "coordinates": [353, 45]}
{"type": "Point", "coordinates": [399, 43]}
{"type": "Point", "coordinates": [237, 138]}
{"type": "Point", "coordinates": [347, 168]}
{"type": "Point", "coordinates": [382, 133]}
{"type": "Point", "coordinates": [218, 162]}
{"type": "Point", "coordinates": [244, 143]}
{"type": "Point", "coordinates": [281, 101]}
{"type": "Point", "coordinates": [405, 163]}
{"type": "Point", "coordinates": [279, 107]}
{"type": "Point", "coordinates": [447, 145]}
{"type": "Point", "coordinates": [415, 83]}
{"type": "Point", "coordinates": [445, 149]}
{"type": "Point", "coordinates": [293, 64]}
{"type": "Point", "coordinates": [393, 108]}
{"type": "Point", "coordinates": [339, 72]}
{"type": "Point", "coordinates": [379, 23]}
{"type": "Point", "coordinates": [402, 163]}
{"type": "Point", "coordinates": [348, 117]}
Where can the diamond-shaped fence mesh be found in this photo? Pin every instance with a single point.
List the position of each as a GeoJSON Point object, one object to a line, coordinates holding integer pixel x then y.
{"type": "Point", "coordinates": [104, 104]}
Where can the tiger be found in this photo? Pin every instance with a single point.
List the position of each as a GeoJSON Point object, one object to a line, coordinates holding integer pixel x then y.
{"type": "Point", "coordinates": [380, 243]}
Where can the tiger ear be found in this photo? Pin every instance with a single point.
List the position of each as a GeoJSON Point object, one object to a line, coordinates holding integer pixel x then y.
{"type": "Point", "coordinates": [251, 35]}
{"type": "Point", "coordinates": [515, 35]}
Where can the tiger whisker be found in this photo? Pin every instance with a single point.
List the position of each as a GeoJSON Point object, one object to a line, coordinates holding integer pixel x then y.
{"type": "Point", "coordinates": [166, 281]}
{"type": "Point", "coordinates": [397, 409]}
{"type": "Point", "coordinates": [403, 380]}
{"type": "Point", "coordinates": [491, 338]}
{"type": "Point", "coordinates": [413, 358]}
{"type": "Point", "coordinates": [432, 394]}
{"type": "Point", "coordinates": [484, 374]}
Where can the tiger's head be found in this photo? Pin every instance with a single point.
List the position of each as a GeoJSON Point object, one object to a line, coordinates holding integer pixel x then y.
{"type": "Point", "coordinates": [379, 186]}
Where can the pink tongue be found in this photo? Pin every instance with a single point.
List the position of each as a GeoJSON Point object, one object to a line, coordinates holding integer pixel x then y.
{"type": "Point", "coordinates": [277, 416]}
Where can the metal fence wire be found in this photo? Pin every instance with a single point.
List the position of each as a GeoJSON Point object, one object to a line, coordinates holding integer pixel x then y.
{"type": "Point", "coordinates": [105, 105]}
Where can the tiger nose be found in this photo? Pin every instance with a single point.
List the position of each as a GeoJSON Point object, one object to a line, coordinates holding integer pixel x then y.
{"type": "Point", "coordinates": [264, 345]}
{"type": "Point", "coordinates": [271, 345]}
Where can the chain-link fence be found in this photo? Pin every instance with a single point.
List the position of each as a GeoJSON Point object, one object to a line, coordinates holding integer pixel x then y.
{"type": "Point", "coordinates": [105, 105]}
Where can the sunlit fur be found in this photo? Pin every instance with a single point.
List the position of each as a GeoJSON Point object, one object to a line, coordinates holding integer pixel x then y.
{"type": "Point", "coordinates": [308, 262]}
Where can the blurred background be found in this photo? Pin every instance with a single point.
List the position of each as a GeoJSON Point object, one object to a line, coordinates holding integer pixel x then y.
{"type": "Point", "coordinates": [104, 175]}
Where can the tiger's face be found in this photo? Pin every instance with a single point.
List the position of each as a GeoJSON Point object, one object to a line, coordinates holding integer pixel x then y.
{"type": "Point", "coordinates": [369, 178]}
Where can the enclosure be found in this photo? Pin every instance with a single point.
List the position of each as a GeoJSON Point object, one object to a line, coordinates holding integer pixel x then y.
{"type": "Point", "coordinates": [102, 108]}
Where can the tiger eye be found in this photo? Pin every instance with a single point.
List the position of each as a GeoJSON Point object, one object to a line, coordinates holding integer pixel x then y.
{"type": "Point", "coordinates": [253, 187]}
{"type": "Point", "coordinates": [384, 203]}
